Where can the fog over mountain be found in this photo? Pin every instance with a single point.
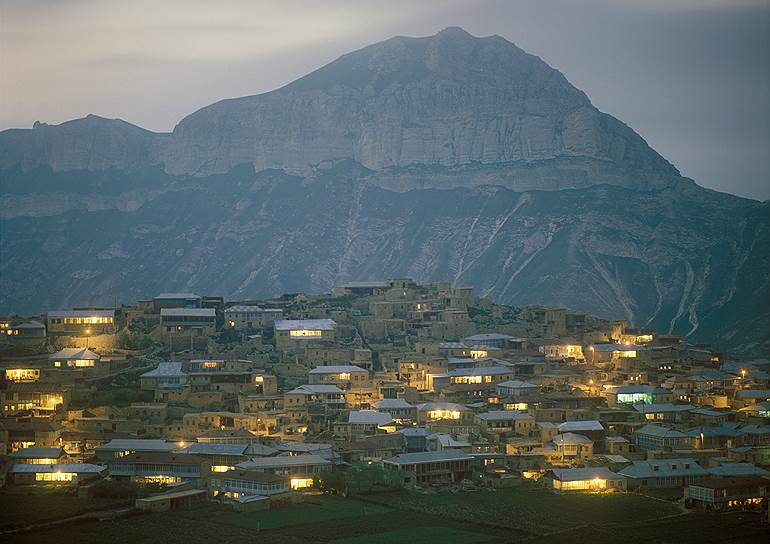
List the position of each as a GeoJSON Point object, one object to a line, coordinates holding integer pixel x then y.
{"type": "Point", "coordinates": [445, 157]}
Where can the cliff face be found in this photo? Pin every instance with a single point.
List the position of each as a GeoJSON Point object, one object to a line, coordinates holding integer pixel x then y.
{"type": "Point", "coordinates": [448, 100]}
{"type": "Point", "coordinates": [448, 157]}
{"type": "Point", "coordinates": [91, 143]}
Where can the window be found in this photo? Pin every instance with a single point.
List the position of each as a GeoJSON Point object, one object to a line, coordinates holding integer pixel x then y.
{"type": "Point", "coordinates": [54, 476]}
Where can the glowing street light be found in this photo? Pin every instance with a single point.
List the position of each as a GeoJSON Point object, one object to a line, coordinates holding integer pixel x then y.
{"type": "Point", "coordinates": [88, 334]}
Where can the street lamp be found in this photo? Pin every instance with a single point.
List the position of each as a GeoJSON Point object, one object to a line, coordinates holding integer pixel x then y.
{"type": "Point", "coordinates": [88, 334]}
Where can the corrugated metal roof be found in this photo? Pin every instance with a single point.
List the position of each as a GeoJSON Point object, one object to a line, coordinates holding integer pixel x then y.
{"type": "Point", "coordinates": [428, 457]}
{"type": "Point", "coordinates": [283, 461]}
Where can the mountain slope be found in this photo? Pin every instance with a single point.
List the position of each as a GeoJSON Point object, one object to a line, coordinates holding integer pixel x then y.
{"type": "Point", "coordinates": [608, 250]}
{"type": "Point", "coordinates": [446, 157]}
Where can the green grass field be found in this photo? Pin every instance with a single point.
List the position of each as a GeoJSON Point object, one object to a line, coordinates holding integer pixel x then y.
{"type": "Point", "coordinates": [420, 535]}
{"type": "Point", "coordinates": [530, 509]}
{"type": "Point", "coordinates": [526, 514]}
{"type": "Point", "coordinates": [314, 510]}
{"type": "Point", "coordinates": [28, 505]}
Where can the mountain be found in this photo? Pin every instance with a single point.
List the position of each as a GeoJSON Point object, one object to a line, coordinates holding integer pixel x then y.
{"type": "Point", "coordinates": [446, 157]}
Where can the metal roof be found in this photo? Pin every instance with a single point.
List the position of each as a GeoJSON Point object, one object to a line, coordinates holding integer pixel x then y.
{"type": "Point", "coordinates": [385, 404]}
{"type": "Point", "coordinates": [81, 313]}
{"type": "Point", "coordinates": [480, 371]}
{"type": "Point", "coordinates": [504, 415]}
{"type": "Point", "coordinates": [214, 448]}
{"type": "Point", "coordinates": [737, 469]}
{"type": "Point", "coordinates": [591, 425]}
{"type": "Point", "coordinates": [657, 430]}
{"type": "Point", "coordinates": [283, 461]}
{"type": "Point", "coordinates": [571, 438]}
{"type": "Point", "coordinates": [74, 354]}
{"type": "Point", "coordinates": [488, 336]}
{"type": "Point", "coordinates": [369, 417]}
{"type": "Point", "coordinates": [243, 309]}
{"type": "Point", "coordinates": [137, 444]}
{"type": "Point", "coordinates": [314, 389]}
{"type": "Point", "coordinates": [663, 468]}
{"type": "Point", "coordinates": [177, 296]}
{"type": "Point", "coordinates": [428, 457]}
{"type": "Point", "coordinates": [37, 453]}
{"type": "Point", "coordinates": [662, 408]}
{"type": "Point", "coordinates": [301, 324]}
{"type": "Point", "coordinates": [582, 474]}
{"type": "Point", "coordinates": [189, 312]}
{"type": "Point", "coordinates": [334, 369]}
{"type": "Point", "coordinates": [165, 370]}
{"type": "Point", "coordinates": [78, 468]}
{"type": "Point", "coordinates": [517, 384]}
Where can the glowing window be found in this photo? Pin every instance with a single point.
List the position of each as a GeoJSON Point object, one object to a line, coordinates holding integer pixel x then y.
{"type": "Point", "coordinates": [300, 333]}
{"type": "Point", "coordinates": [54, 476]}
{"type": "Point", "coordinates": [301, 483]}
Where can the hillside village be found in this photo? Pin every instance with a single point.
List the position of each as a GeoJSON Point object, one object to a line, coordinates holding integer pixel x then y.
{"type": "Point", "coordinates": [184, 399]}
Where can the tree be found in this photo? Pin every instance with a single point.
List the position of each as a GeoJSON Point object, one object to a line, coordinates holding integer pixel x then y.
{"type": "Point", "coordinates": [332, 482]}
{"type": "Point", "coordinates": [133, 340]}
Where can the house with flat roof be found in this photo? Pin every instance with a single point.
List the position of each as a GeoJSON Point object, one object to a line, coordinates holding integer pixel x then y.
{"type": "Point", "coordinates": [506, 422]}
{"type": "Point", "coordinates": [165, 376]}
{"type": "Point", "coordinates": [246, 317]}
{"type": "Point", "coordinates": [728, 493]}
{"type": "Point", "coordinates": [445, 466]}
{"type": "Point", "coordinates": [176, 300]}
{"type": "Point", "coordinates": [343, 376]}
{"type": "Point", "coordinates": [591, 428]}
{"type": "Point", "coordinates": [188, 321]}
{"type": "Point", "coordinates": [161, 467]}
{"type": "Point", "coordinates": [363, 423]}
{"type": "Point", "coordinates": [472, 379]}
{"type": "Point", "coordinates": [432, 412]}
{"type": "Point", "coordinates": [121, 447]}
{"type": "Point", "coordinates": [81, 322]}
{"type": "Point", "coordinates": [236, 484]}
{"type": "Point", "coordinates": [585, 480]}
{"type": "Point", "coordinates": [491, 339]}
{"type": "Point", "coordinates": [57, 473]}
{"type": "Point", "coordinates": [300, 469]}
{"type": "Point", "coordinates": [516, 389]}
{"type": "Point", "coordinates": [298, 332]}
{"type": "Point", "coordinates": [327, 395]}
{"type": "Point", "coordinates": [36, 397]}
{"type": "Point", "coordinates": [399, 409]}
{"type": "Point", "coordinates": [39, 456]}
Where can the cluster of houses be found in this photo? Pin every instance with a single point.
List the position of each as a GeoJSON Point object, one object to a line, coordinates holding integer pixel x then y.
{"type": "Point", "coordinates": [252, 402]}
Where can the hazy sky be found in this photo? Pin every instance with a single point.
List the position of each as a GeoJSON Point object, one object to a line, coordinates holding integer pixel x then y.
{"type": "Point", "coordinates": [691, 76]}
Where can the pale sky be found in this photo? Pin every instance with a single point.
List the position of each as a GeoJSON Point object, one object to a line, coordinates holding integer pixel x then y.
{"type": "Point", "coordinates": [691, 76]}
